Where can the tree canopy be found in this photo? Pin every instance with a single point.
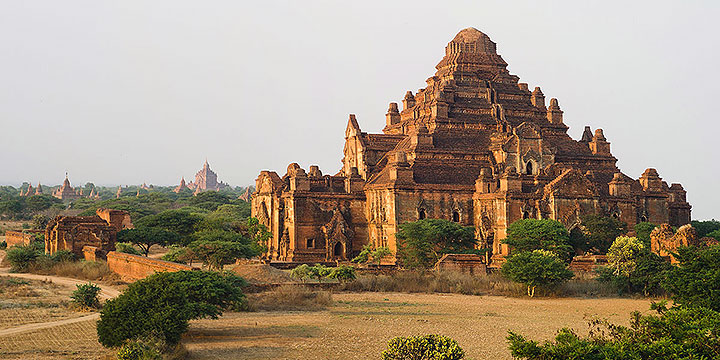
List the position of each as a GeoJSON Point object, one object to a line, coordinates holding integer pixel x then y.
{"type": "Point", "coordinates": [422, 243]}
{"type": "Point", "coordinates": [545, 234]}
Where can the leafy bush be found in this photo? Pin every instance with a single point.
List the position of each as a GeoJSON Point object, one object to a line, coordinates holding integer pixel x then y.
{"type": "Point", "coordinates": [428, 347]}
{"type": "Point", "coordinates": [319, 272]}
{"type": "Point", "coordinates": [301, 272]}
{"type": "Point", "coordinates": [342, 273]}
{"type": "Point", "coordinates": [532, 234]}
{"type": "Point", "coordinates": [536, 268]}
{"type": "Point", "coordinates": [63, 256]}
{"type": "Point", "coordinates": [679, 333]}
{"type": "Point", "coordinates": [162, 304]}
{"type": "Point", "coordinates": [126, 248]}
{"type": "Point", "coordinates": [86, 296]}
{"type": "Point", "coordinates": [646, 278]}
{"type": "Point", "coordinates": [696, 279]}
{"type": "Point", "coordinates": [21, 257]}
{"type": "Point", "coordinates": [422, 243]}
{"type": "Point", "coordinates": [179, 254]}
{"type": "Point", "coordinates": [138, 350]}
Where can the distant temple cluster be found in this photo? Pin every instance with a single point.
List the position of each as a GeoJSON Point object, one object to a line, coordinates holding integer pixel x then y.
{"type": "Point", "coordinates": [64, 192]}
{"type": "Point", "coordinates": [205, 180]}
{"type": "Point", "coordinates": [476, 147]}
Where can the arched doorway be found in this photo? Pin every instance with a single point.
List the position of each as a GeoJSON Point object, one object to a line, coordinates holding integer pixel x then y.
{"type": "Point", "coordinates": [529, 168]}
{"type": "Point", "coordinates": [421, 214]}
{"type": "Point", "coordinates": [455, 216]}
{"type": "Point", "coordinates": [338, 250]}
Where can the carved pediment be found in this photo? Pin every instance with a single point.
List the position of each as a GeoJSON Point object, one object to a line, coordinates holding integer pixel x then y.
{"type": "Point", "coordinates": [527, 130]}
{"type": "Point", "coordinates": [571, 184]}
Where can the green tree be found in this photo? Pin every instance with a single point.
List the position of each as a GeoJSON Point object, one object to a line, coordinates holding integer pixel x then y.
{"type": "Point", "coordinates": [178, 221]}
{"type": "Point", "coordinates": [705, 227]}
{"type": "Point", "coordinates": [598, 232]}
{"type": "Point", "coordinates": [536, 268]}
{"type": "Point", "coordinates": [378, 254]}
{"type": "Point", "coordinates": [533, 234]}
{"type": "Point", "coordinates": [37, 203]}
{"type": "Point", "coordinates": [427, 347]}
{"type": "Point", "coordinates": [210, 200]}
{"type": "Point", "coordinates": [21, 257]}
{"type": "Point", "coordinates": [696, 279]}
{"type": "Point", "coordinates": [422, 243]}
{"type": "Point", "coordinates": [364, 255]}
{"type": "Point", "coordinates": [623, 255]}
{"type": "Point", "coordinates": [146, 237]}
{"type": "Point", "coordinates": [642, 232]}
{"type": "Point", "coordinates": [162, 304]}
{"type": "Point", "coordinates": [40, 221]}
{"type": "Point", "coordinates": [715, 234]}
{"type": "Point", "coordinates": [342, 273]}
{"type": "Point", "coordinates": [216, 253]}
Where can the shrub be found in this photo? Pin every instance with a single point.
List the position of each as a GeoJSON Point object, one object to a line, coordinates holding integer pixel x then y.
{"type": "Point", "coordinates": [546, 234]}
{"type": "Point", "coordinates": [428, 347]}
{"type": "Point", "coordinates": [342, 273]}
{"type": "Point", "coordinates": [86, 296]}
{"type": "Point", "coordinates": [63, 256]}
{"type": "Point", "coordinates": [646, 277]}
{"type": "Point", "coordinates": [126, 248]}
{"type": "Point", "coordinates": [162, 304]}
{"type": "Point", "coordinates": [290, 298]}
{"type": "Point", "coordinates": [536, 268]}
{"type": "Point", "coordinates": [679, 333]}
{"type": "Point", "coordinates": [138, 350]}
{"type": "Point", "coordinates": [319, 272]}
{"type": "Point", "coordinates": [696, 279]}
{"type": "Point", "coordinates": [301, 272]}
{"type": "Point", "coordinates": [21, 257]}
{"type": "Point", "coordinates": [216, 253]}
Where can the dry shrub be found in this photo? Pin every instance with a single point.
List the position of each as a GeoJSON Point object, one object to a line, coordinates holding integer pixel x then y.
{"type": "Point", "coordinates": [436, 282]}
{"type": "Point", "coordinates": [85, 270]}
{"type": "Point", "coordinates": [290, 297]}
{"type": "Point", "coordinates": [468, 284]}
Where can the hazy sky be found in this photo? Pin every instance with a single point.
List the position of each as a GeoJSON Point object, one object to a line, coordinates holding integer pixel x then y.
{"type": "Point", "coordinates": [126, 92]}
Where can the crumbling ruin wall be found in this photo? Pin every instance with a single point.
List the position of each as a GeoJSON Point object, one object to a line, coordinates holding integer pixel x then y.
{"type": "Point", "coordinates": [13, 238]}
{"type": "Point", "coordinates": [134, 267]}
{"type": "Point", "coordinates": [465, 263]}
{"type": "Point", "coordinates": [664, 242]}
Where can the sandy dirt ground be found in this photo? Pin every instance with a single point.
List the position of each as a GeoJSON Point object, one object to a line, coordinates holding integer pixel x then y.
{"type": "Point", "coordinates": [358, 326]}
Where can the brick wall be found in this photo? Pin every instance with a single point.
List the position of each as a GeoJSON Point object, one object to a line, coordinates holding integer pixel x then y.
{"type": "Point", "coordinates": [18, 238]}
{"type": "Point", "coordinates": [134, 267]}
{"type": "Point", "coordinates": [466, 263]}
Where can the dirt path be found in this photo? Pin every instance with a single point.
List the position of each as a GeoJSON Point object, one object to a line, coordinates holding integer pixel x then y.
{"type": "Point", "coordinates": [106, 292]}
{"type": "Point", "coordinates": [47, 324]}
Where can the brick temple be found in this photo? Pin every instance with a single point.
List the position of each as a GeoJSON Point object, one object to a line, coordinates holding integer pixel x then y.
{"type": "Point", "coordinates": [475, 146]}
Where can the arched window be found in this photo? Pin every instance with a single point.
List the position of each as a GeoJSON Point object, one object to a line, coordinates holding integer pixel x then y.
{"type": "Point", "coordinates": [526, 215]}
{"type": "Point", "coordinates": [338, 250]}
{"type": "Point", "coordinates": [421, 214]}
{"type": "Point", "coordinates": [456, 216]}
{"type": "Point", "coordinates": [643, 218]}
{"type": "Point", "coordinates": [529, 168]}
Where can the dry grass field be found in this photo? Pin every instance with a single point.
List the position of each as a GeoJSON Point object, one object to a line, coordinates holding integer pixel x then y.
{"type": "Point", "coordinates": [358, 325]}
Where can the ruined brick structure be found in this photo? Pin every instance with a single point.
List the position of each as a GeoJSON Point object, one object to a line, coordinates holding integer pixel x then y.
{"type": "Point", "coordinates": [475, 146]}
{"type": "Point", "coordinates": [72, 233]}
{"type": "Point", "coordinates": [664, 241]}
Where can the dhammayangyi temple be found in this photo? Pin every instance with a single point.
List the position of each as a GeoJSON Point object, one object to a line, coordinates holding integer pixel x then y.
{"type": "Point", "coordinates": [476, 147]}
